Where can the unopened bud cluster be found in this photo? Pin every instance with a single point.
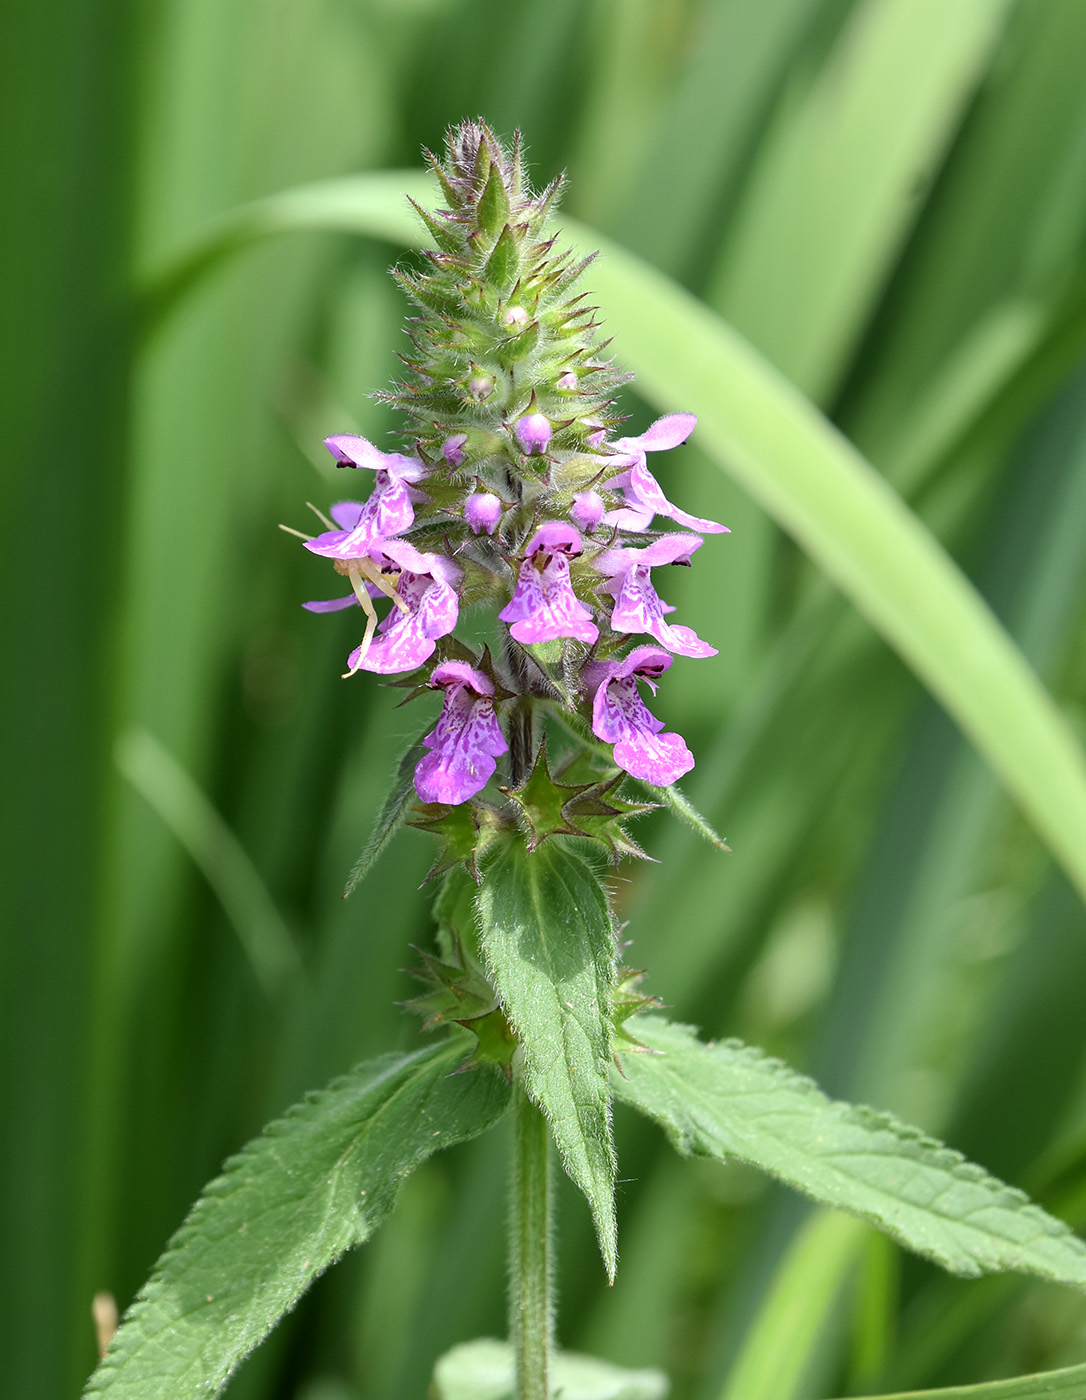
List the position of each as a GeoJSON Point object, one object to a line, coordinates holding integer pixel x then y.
{"type": "Point", "coordinates": [514, 493]}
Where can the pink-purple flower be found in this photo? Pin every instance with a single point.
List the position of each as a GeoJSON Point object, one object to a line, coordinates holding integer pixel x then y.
{"type": "Point", "coordinates": [482, 511]}
{"type": "Point", "coordinates": [425, 604]}
{"type": "Point", "coordinates": [532, 432]}
{"type": "Point", "coordinates": [427, 610]}
{"type": "Point", "coordinates": [390, 508]}
{"type": "Point", "coordinates": [587, 510]}
{"type": "Point", "coordinates": [640, 489]}
{"type": "Point", "coordinates": [452, 449]}
{"type": "Point", "coordinates": [620, 717]}
{"type": "Point", "coordinates": [466, 739]}
{"type": "Point", "coordinates": [544, 605]}
{"type": "Point", "coordinates": [638, 607]}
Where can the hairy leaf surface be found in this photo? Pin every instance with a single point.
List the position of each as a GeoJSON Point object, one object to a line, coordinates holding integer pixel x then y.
{"type": "Point", "coordinates": [316, 1182]}
{"type": "Point", "coordinates": [730, 1100]}
{"type": "Point", "coordinates": [550, 946]}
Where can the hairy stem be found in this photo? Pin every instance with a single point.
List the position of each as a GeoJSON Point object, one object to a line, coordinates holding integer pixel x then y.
{"type": "Point", "coordinates": [530, 1307]}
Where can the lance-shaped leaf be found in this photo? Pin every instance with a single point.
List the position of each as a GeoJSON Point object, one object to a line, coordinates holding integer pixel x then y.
{"type": "Point", "coordinates": [393, 813]}
{"type": "Point", "coordinates": [549, 944]}
{"type": "Point", "coordinates": [730, 1100]}
{"type": "Point", "coordinates": [316, 1182]}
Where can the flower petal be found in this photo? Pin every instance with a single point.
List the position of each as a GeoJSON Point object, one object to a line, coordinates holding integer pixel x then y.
{"type": "Point", "coordinates": [331, 604]}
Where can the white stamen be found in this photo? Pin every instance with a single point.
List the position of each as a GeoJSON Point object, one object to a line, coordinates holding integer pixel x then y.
{"type": "Point", "coordinates": [321, 516]}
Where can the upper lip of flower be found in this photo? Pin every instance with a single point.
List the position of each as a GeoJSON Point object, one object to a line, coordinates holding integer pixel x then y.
{"type": "Point", "coordinates": [349, 449]}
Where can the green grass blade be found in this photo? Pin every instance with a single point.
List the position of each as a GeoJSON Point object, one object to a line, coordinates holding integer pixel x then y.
{"type": "Point", "coordinates": [779, 1348]}
{"type": "Point", "coordinates": [836, 190]}
{"type": "Point", "coordinates": [815, 484]}
{"type": "Point", "coordinates": [373, 204]}
{"type": "Point", "coordinates": [171, 791]}
{"type": "Point", "coordinates": [1068, 1384]}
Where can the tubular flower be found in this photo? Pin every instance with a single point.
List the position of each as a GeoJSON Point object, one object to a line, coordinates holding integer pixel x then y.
{"type": "Point", "coordinates": [483, 511]}
{"type": "Point", "coordinates": [640, 489]}
{"type": "Point", "coordinates": [638, 607]}
{"type": "Point", "coordinates": [544, 605]}
{"type": "Point", "coordinates": [427, 608]}
{"type": "Point", "coordinates": [390, 508]}
{"type": "Point", "coordinates": [620, 717]}
{"type": "Point", "coordinates": [587, 510]}
{"type": "Point", "coordinates": [532, 432]}
{"type": "Point", "coordinates": [466, 739]}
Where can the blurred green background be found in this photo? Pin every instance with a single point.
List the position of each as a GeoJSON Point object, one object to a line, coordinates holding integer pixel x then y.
{"type": "Point", "coordinates": [888, 198]}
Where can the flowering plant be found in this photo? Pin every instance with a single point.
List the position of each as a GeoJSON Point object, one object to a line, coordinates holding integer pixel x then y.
{"type": "Point", "coordinates": [514, 500]}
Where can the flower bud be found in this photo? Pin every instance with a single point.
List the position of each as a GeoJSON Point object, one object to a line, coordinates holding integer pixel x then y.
{"type": "Point", "coordinates": [587, 510]}
{"type": "Point", "coordinates": [481, 385]}
{"type": "Point", "coordinates": [452, 449]}
{"type": "Point", "coordinates": [514, 316]}
{"type": "Point", "coordinates": [482, 511]}
{"type": "Point", "coordinates": [533, 432]}
{"type": "Point", "coordinates": [568, 381]}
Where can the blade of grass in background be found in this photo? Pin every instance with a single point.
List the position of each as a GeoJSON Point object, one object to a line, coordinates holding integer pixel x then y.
{"type": "Point", "coordinates": [838, 184]}
{"type": "Point", "coordinates": [170, 791]}
{"type": "Point", "coordinates": [67, 171]}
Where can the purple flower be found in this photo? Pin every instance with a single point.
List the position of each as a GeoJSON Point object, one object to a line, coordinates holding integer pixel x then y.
{"type": "Point", "coordinates": [482, 511]}
{"type": "Point", "coordinates": [427, 609]}
{"type": "Point", "coordinates": [544, 605]}
{"type": "Point", "coordinates": [388, 511]}
{"type": "Point", "coordinates": [639, 487]}
{"type": "Point", "coordinates": [568, 381]}
{"type": "Point", "coordinates": [532, 432]}
{"type": "Point", "coordinates": [620, 717]}
{"type": "Point", "coordinates": [466, 739]}
{"type": "Point", "coordinates": [638, 607]}
{"type": "Point", "coordinates": [452, 449]}
{"type": "Point", "coordinates": [587, 510]}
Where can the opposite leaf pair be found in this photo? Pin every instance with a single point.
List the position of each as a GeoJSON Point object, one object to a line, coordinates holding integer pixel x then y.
{"type": "Point", "coordinates": [320, 1179]}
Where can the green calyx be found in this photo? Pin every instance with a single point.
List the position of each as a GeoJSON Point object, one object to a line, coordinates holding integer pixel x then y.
{"type": "Point", "coordinates": [465, 832]}
{"type": "Point", "coordinates": [592, 810]}
{"type": "Point", "coordinates": [628, 1001]}
{"type": "Point", "coordinates": [459, 994]}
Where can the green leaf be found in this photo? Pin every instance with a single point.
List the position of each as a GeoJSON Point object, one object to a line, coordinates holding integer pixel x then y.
{"type": "Point", "coordinates": [729, 1100]}
{"type": "Point", "coordinates": [549, 944]}
{"type": "Point", "coordinates": [685, 810]}
{"type": "Point", "coordinates": [1068, 1384]}
{"type": "Point", "coordinates": [483, 1370]}
{"type": "Point", "coordinates": [316, 1182]}
{"type": "Point", "coordinates": [393, 813]}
